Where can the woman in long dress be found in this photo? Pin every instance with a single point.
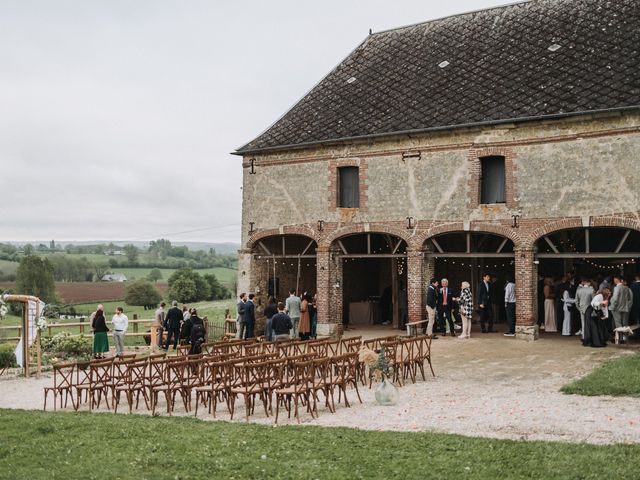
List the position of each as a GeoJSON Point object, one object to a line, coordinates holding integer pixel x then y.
{"type": "Point", "coordinates": [596, 320]}
{"type": "Point", "coordinates": [566, 322]}
{"type": "Point", "coordinates": [305, 319]}
{"type": "Point", "coordinates": [549, 307]}
{"type": "Point", "coordinates": [100, 339]}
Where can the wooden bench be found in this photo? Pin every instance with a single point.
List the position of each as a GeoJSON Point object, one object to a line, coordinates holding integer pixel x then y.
{"type": "Point", "coordinates": [412, 327]}
{"type": "Point", "coordinates": [633, 328]}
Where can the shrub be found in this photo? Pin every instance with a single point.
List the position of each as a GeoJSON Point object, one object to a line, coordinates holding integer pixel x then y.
{"type": "Point", "coordinates": [7, 355]}
{"type": "Point", "coordinates": [64, 345]}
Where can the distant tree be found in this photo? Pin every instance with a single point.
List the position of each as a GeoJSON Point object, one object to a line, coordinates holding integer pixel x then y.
{"type": "Point", "coordinates": [185, 285]}
{"type": "Point", "coordinates": [100, 269]}
{"type": "Point", "coordinates": [218, 291]}
{"type": "Point", "coordinates": [28, 249]}
{"type": "Point", "coordinates": [35, 277]}
{"type": "Point", "coordinates": [143, 294]}
{"type": "Point", "coordinates": [131, 251]}
{"type": "Point", "coordinates": [154, 275]}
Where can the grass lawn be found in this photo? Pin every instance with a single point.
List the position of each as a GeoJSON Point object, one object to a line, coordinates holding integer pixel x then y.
{"type": "Point", "coordinates": [8, 267]}
{"type": "Point", "coordinates": [83, 445]}
{"type": "Point", "coordinates": [619, 377]}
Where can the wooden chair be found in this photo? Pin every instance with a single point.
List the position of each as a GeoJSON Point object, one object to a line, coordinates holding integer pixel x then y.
{"type": "Point", "coordinates": [344, 375]}
{"type": "Point", "coordinates": [63, 384]}
{"type": "Point", "coordinates": [94, 378]}
{"type": "Point", "coordinates": [173, 384]}
{"type": "Point", "coordinates": [391, 353]}
{"type": "Point", "coordinates": [134, 383]}
{"type": "Point", "coordinates": [183, 350]}
{"type": "Point", "coordinates": [424, 355]}
{"type": "Point", "coordinates": [350, 345]}
{"type": "Point", "coordinates": [250, 382]}
{"type": "Point", "coordinates": [214, 384]}
{"type": "Point", "coordinates": [299, 391]}
{"type": "Point", "coordinates": [321, 348]}
{"type": "Point", "coordinates": [323, 382]}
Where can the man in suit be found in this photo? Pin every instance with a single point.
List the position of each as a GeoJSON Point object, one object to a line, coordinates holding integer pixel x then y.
{"type": "Point", "coordinates": [445, 306]}
{"type": "Point", "coordinates": [174, 322]}
{"type": "Point", "coordinates": [250, 316]}
{"type": "Point", "coordinates": [484, 304]}
{"type": "Point", "coordinates": [621, 301]}
{"type": "Point", "coordinates": [584, 295]}
{"type": "Point", "coordinates": [240, 325]}
{"type": "Point", "coordinates": [634, 317]}
{"type": "Point", "coordinates": [432, 305]}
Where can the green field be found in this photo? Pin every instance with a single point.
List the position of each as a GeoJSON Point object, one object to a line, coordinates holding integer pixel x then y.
{"type": "Point", "coordinates": [8, 267]}
{"type": "Point", "coordinates": [48, 445]}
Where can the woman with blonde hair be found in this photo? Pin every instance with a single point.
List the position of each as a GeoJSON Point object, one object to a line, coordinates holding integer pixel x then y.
{"type": "Point", "coordinates": [465, 301]}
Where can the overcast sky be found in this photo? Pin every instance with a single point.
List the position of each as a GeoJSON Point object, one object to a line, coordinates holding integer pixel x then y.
{"type": "Point", "coordinates": [117, 117]}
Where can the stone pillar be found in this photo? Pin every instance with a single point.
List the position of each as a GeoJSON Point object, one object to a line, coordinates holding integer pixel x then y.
{"type": "Point", "coordinates": [428, 271]}
{"type": "Point", "coordinates": [325, 272]}
{"type": "Point", "coordinates": [415, 284]}
{"type": "Point", "coordinates": [526, 294]}
{"type": "Point", "coordinates": [245, 264]}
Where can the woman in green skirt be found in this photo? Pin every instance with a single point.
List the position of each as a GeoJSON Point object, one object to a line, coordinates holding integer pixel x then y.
{"type": "Point", "coordinates": [100, 339]}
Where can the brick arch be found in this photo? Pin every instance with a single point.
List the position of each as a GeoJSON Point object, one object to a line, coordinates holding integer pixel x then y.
{"type": "Point", "coordinates": [504, 231]}
{"type": "Point", "coordinates": [603, 221]}
{"type": "Point", "coordinates": [359, 228]}
{"type": "Point", "coordinates": [287, 230]}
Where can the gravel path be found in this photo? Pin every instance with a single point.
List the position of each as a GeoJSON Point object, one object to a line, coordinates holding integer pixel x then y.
{"type": "Point", "coordinates": [487, 386]}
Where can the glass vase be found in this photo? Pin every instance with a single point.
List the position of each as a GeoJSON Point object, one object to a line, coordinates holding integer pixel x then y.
{"type": "Point", "coordinates": [386, 393]}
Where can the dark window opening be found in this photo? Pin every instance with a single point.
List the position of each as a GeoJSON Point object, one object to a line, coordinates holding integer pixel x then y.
{"type": "Point", "coordinates": [349, 187]}
{"type": "Point", "coordinates": [493, 180]}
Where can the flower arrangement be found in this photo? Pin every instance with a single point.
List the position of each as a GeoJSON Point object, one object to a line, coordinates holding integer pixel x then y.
{"type": "Point", "coordinates": [41, 324]}
{"type": "Point", "coordinates": [3, 309]}
{"type": "Point", "coordinates": [378, 364]}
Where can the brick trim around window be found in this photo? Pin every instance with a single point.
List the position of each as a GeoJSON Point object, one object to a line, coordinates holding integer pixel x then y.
{"type": "Point", "coordinates": [475, 173]}
{"type": "Point", "coordinates": [361, 163]}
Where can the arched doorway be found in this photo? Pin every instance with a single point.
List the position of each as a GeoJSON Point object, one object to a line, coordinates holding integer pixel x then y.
{"type": "Point", "coordinates": [468, 256]}
{"type": "Point", "coordinates": [592, 254]}
{"type": "Point", "coordinates": [371, 280]}
{"type": "Point", "coordinates": [284, 262]}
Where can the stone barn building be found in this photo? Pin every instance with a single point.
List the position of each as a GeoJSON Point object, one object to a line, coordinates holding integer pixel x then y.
{"type": "Point", "coordinates": [505, 141]}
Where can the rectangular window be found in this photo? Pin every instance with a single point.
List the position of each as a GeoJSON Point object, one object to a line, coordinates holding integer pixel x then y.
{"type": "Point", "coordinates": [493, 180]}
{"type": "Point", "coordinates": [348, 187]}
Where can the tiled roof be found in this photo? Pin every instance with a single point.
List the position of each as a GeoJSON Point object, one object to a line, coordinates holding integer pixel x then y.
{"type": "Point", "coordinates": [521, 61]}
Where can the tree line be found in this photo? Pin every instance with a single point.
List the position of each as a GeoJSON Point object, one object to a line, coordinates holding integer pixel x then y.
{"type": "Point", "coordinates": [35, 276]}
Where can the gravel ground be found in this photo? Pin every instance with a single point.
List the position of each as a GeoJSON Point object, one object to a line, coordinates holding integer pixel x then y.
{"type": "Point", "coordinates": [487, 386]}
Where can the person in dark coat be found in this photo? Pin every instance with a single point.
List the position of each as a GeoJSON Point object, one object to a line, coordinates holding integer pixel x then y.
{"type": "Point", "coordinates": [196, 332]}
{"type": "Point", "coordinates": [269, 311]}
{"type": "Point", "coordinates": [250, 316]}
{"type": "Point", "coordinates": [484, 304]}
{"type": "Point", "coordinates": [445, 306]}
{"type": "Point", "coordinates": [634, 316]}
{"type": "Point", "coordinates": [173, 320]}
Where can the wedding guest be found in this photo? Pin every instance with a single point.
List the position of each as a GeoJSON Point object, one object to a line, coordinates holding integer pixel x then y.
{"type": "Point", "coordinates": [100, 339]}
{"type": "Point", "coordinates": [432, 304]}
{"type": "Point", "coordinates": [597, 330]}
{"type": "Point", "coordinates": [197, 332]}
{"type": "Point", "coordinates": [159, 323]}
{"type": "Point", "coordinates": [304, 329]}
{"type": "Point", "coordinates": [120, 323]}
{"type": "Point", "coordinates": [484, 304]}
{"type": "Point", "coordinates": [510, 307]}
{"type": "Point", "coordinates": [292, 306]}
{"type": "Point", "coordinates": [634, 316]}
{"type": "Point", "coordinates": [567, 301]}
{"type": "Point", "coordinates": [313, 314]}
{"type": "Point", "coordinates": [445, 305]}
{"type": "Point", "coordinates": [281, 324]}
{"type": "Point", "coordinates": [269, 311]}
{"type": "Point", "coordinates": [173, 321]}
{"type": "Point", "coordinates": [240, 326]}
{"type": "Point", "coordinates": [465, 301]}
{"type": "Point", "coordinates": [584, 295]}
{"type": "Point", "coordinates": [621, 302]}
{"type": "Point", "coordinates": [250, 316]}
{"type": "Point", "coordinates": [549, 307]}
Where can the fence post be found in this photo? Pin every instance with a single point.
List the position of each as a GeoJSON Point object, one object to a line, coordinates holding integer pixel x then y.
{"type": "Point", "coordinates": [81, 326]}
{"type": "Point", "coordinates": [135, 325]}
